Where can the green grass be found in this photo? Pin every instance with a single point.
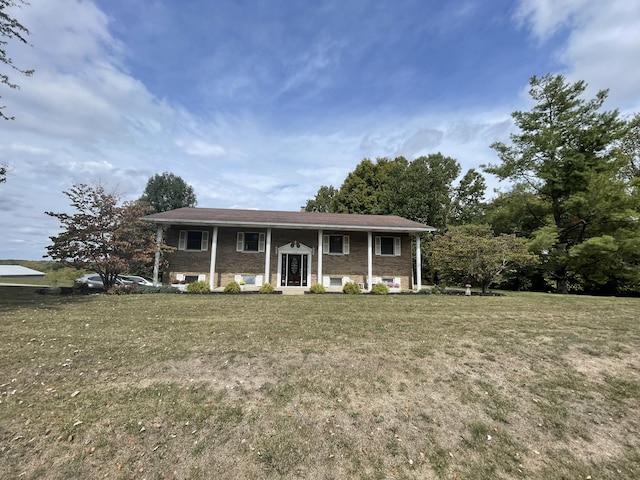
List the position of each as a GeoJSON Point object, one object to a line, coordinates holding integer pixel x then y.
{"type": "Point", "coordinates": [318, 386]}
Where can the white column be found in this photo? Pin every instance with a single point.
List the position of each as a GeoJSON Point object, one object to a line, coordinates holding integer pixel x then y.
{"type": "Point", "coordinates": [156, 261]}
{"type": "Point", "coordinates": [267, 259]}
{"type": "Point", "coordinates": [214, 252]}
{"type": "Point", "coordinates": [418, 285]}
{"type": "Point", "coordinates": [369, 260]}
{"type": "Point", "coordinates": [319, 250]}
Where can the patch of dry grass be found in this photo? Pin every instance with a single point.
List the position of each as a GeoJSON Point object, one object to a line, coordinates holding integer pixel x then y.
{"type": "Point", "coordinates": [319, 386]}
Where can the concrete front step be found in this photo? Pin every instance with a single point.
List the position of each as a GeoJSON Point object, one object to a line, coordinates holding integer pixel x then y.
{"type": "Point", "coordinates": [293, 291]}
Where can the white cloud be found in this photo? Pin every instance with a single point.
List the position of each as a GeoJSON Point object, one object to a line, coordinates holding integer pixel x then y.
{"type": "Point", "coordinates": [85, 117]}
{"type": "Point", "coordinates": [546, 17]}
{"type": "Point", "coordinates": [602, 43]}
{"type": "Point", "coordinates": [201, 148]}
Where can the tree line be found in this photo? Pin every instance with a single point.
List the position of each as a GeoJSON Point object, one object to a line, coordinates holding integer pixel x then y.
{"type": "Point", "coordinates": [570, 216]}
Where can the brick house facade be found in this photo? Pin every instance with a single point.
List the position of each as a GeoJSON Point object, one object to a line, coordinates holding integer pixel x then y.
{"type": "Point", "coordinates": [288, 249]}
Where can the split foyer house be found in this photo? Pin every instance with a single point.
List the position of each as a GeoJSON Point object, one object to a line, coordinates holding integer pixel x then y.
{"type": "Point", "coordinates": [288, 249]}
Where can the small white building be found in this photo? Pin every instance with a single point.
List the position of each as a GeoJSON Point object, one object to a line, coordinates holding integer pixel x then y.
{"type": "Point", "coordinates": [15, 272]}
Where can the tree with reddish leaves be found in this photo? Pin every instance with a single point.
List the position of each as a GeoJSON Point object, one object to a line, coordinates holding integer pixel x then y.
{"type": "Point", "coordinates": [102, 236]}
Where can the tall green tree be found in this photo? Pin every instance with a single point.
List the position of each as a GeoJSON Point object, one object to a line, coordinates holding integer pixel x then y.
{"type": "Point", "coordinates": [421, 190]}
{"type": "Point", "coordinates": [567, 154]}
{"type": "Point", "coordinates": [631, 148]}
{"type": "Point", "coordinates": [166, 192]}
{"type": "Point", "coordinates": [424, 189]}
{"type": "Point", "coordinates": [365, 188]}
{"type": "Point", "coordinates": [102, 235]}
{"type": "Point", "coordinates": [472, 252]}
{"type": "Point", "coordinates": [323, 201]}
{"type": "Point", "coordinates": [468, 204]}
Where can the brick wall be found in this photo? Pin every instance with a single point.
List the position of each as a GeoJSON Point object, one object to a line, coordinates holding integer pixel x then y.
{"type": "Point", "coordinates": [229, 262]}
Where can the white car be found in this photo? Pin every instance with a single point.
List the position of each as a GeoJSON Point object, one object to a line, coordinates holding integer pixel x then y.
{"type": "Point", "coordinates": [93, 280]}
{"type": "Point", "coordinates": [138, 280]}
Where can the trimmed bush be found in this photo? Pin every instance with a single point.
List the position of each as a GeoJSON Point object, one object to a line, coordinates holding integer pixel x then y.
{"type": "Point", "coordinates": [266, 288]}
{"type": "Point", "coordinates": [351, 288]}
{"type": "Point", "coordinates": [380, 289]}
{"type": "Point", "coordinates": [233, 287]}
{"type": "Point", "coordinates": [198, 287]}
{"type": "Point", "coordinates": [317, 288]}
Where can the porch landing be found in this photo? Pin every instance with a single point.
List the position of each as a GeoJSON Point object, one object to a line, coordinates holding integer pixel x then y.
{"type": "Point", "coordinates": [293, 291]}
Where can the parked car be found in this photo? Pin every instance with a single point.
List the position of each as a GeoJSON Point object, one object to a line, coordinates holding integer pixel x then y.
{"type": "Point", "coordinates": [139, 280]}
{"type": "Point", "coordinates": [93, 280]}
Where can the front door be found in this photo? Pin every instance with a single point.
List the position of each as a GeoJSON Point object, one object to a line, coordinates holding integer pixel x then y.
{"type": "Point", "coordinates": [294, 270]}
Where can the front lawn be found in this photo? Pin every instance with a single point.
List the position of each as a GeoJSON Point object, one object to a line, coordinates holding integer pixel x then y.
{"type": "Point", "coordinates": [319, 386]}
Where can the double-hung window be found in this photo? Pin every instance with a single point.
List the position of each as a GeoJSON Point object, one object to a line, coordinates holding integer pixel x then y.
{"type": "Point", "coordinates": [335, 244]}
{"type": "Point", "coordinates": [193, 240]}
{"type": "Point", "coordinates": [250, 242]}
{"type": "Point", "coordinates": [388, 246]}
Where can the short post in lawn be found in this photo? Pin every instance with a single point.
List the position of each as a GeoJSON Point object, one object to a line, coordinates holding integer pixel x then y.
{"type": "Point", "coordinates": [467, 292]}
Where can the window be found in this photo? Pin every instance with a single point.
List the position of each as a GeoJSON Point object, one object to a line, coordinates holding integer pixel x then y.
{"type": "Point", "coordinates": [388, 245]}
{"type": "Point", "coordinates": [250, 242]}
{"type": "Point", "coordinates": [335, 244]}
{"type": "Point", "coordinates": [193, 240]}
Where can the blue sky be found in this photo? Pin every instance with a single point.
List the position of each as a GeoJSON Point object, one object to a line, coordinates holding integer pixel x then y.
{"type": "Point", "coordinates": [257, 104]}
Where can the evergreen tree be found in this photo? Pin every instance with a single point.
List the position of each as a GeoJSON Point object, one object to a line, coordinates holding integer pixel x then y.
{"type": "Point", "coordinates": [567, 158]}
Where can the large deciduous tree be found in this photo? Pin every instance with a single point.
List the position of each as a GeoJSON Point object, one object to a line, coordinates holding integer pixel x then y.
{"type": "Point", "coordinates": [365, 188]}
{"type": "Point", "coordinates": [468, 203]}
{"type": "Point", "coordinates": [567, 156]}
{"type": "Point", "coordinates": [323, 201]}
{"type": "Point", "coordinates": [101, 235]}
{"type": "Point", "coordinates": [11, 29]}
{"type": "Point", "coordinates": [424, 189]}
{"type": "Point", "coordinates": [473, 252]}
{"type": "Point", "coordinates": [167, 191]}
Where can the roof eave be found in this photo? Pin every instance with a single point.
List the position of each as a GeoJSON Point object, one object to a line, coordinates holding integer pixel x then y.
{"type": "Point", "coordinates": [304, 226]}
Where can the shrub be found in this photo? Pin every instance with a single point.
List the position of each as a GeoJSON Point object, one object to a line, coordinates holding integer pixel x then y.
{"type": "Point", "coordinates": [351, 288]}
{"type": "Point", "coordinates": [198, 287]}
{"type": "Point", "coordinates": [380, 289]}
{"type": "Point", "coordinates": [317, 288]}
{"type": "Point", "coordinates": [266, 288]}
{"type": "Point", "coordinates": [122, 289]}
{"type": "Point", "coordinates": [233, 287]}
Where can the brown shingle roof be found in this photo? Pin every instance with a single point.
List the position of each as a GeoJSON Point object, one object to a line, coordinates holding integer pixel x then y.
{"type": "Point", "coordinates": [270, 218]}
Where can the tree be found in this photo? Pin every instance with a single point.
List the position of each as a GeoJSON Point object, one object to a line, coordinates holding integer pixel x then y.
{"type": "Point", "coordinates": [567, 156]}
{"type": "Point", "coordinates": [631, 148]}
{"type": "Point", "coordinates": [468, 199]}
{"type": "Point", "coordinates": [102, 236]}
{"type": "Point", "coordinates": [473, 252]}
{"type": "Point", "coordinates": [365, 189]}
{"type": "Point", "coordinates": [167, 192]}
{"type": "Point", "coordinates": [323, 201]}
{"type": "Point", "coordinates": [10, 28]}
{"type": "Point", "coordinates": [422, 191]}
